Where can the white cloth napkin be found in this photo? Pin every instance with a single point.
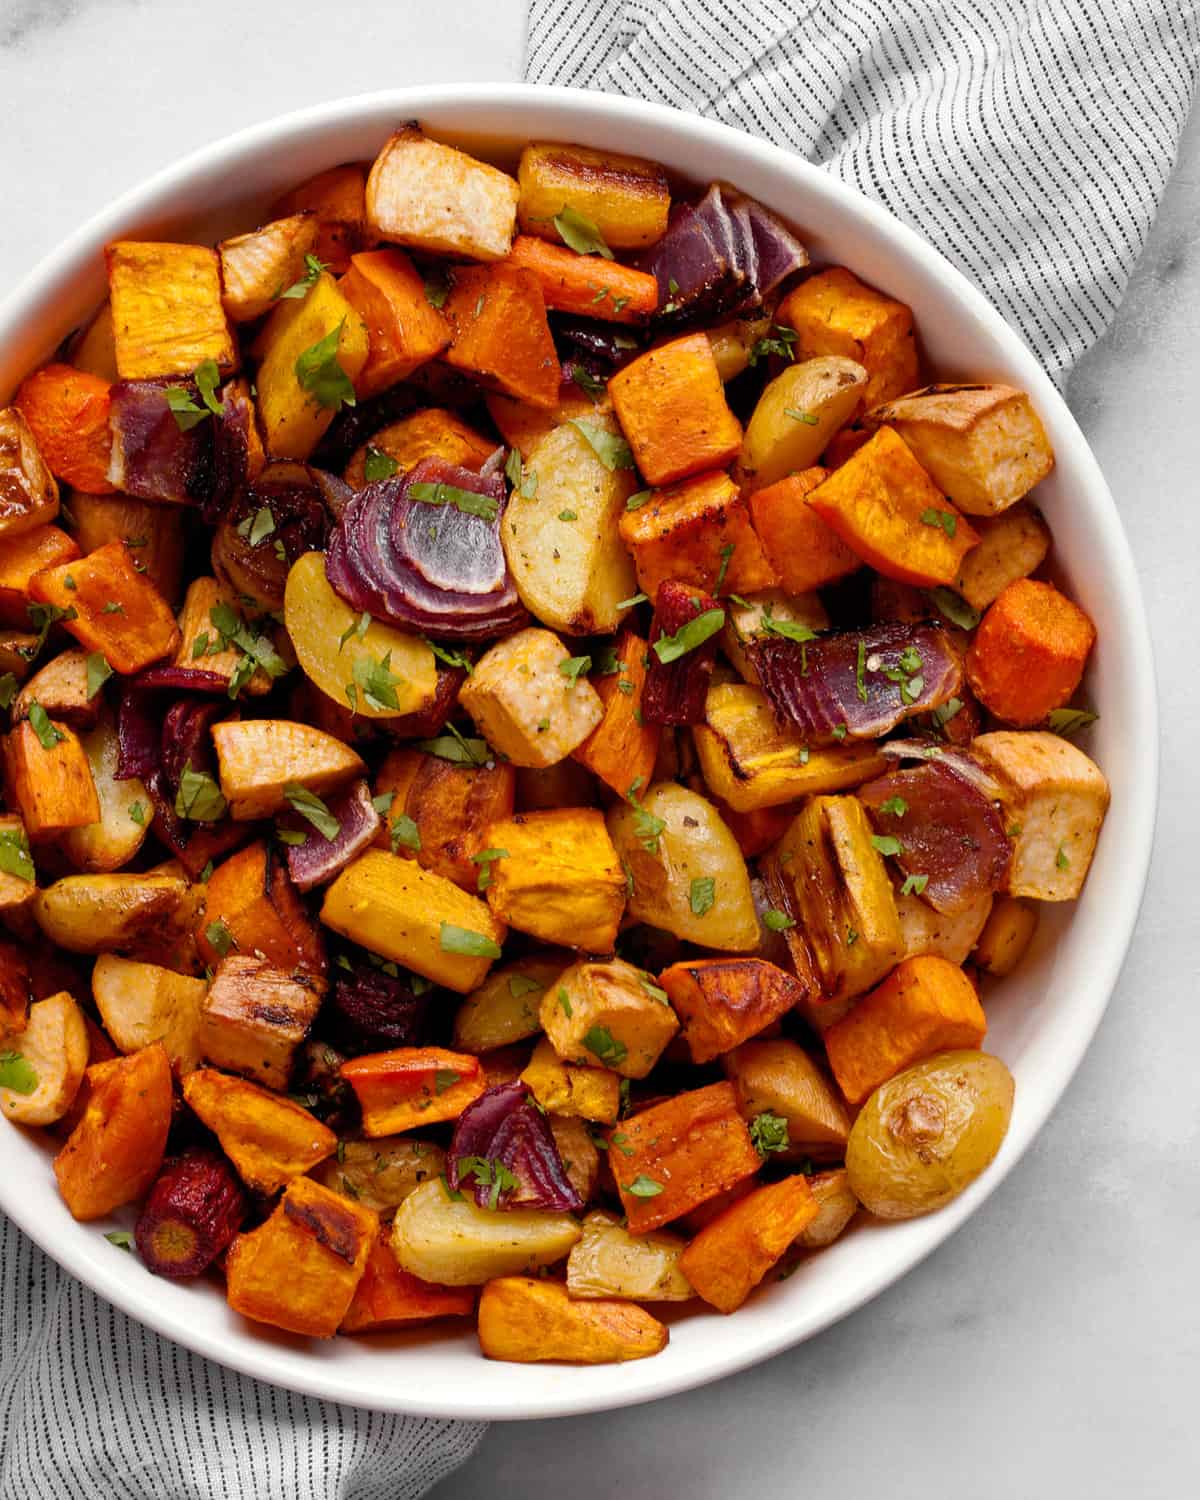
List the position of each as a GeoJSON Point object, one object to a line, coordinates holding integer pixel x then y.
{"type": "Point", "coordinates": [1029, 140]}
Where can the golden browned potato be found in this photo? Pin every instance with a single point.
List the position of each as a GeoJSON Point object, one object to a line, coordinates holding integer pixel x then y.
{"type": "Point", "coordinates": [45, 1074]}
{"type": "Point", "coordinates": [573, 1089]}
{"type": "Point", "coordinates": [797, 414]}
{"type": "Point", "coordinates": [685, 869]}
{"type": "Point", "coordinates": [260, 759]}
{"type": "Point", "coordinates": [143, 1003]}
{"type": "Point", "coordinates": [126, 811]}
{"type": "Point", "coordinates": [61, 687]}
{"type": "Point", "coordinates": [570, 567]}
{"type": "Point", "coordinates": [924, 930]}
{"type": "Point", "coordinates": [257, 267]}
{"type": "Point", "coordinates": [524, 703]}
{"type": "Point", "coordinates": [99, 913]}
{"type": "Point", "coordinates": [836, 1206]}
{"type": "Point", "coordinates": [18, 885]}
{"type": "Point", "coordinates": [608, 1261]}
{"type": "Point", "coordinates": [504, 1009]}
{"type": "Point", "coordinates": [28, 492]}
{"type": "Point", "coordinates": [1011, 545]}
{"type": "Point", "coordinates": [625, 197]}
{"type": "Point", "coordinates": [433, 197]}
{"type": "Point", "coordinates": [779, 1078]}
{"type": "Point", "coordinates": [733, 343]}
{"type": "Point", "coordinates": [381, 1173]}
{"type": "Point", "coordinates": [610, 1014]}
{"type": "Point", "coordinates": [1006, 935]}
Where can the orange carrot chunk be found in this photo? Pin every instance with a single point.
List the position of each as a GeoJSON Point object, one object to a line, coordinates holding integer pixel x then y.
{"type": "Point", "coordinates": [112, 607]}
{"type": "Point", "coordinates": [67, 412]}
{"type": "Point", "coordinates": [412, 1086]}
{"type": "Point", "coordinates": [732, 1254]}
{"type": "Point", "coordinates": [1029, 652]}
{"type": "Point", "coordinates": [586, 284]}
{"type": "Point", "coordinates": [389, 1297]}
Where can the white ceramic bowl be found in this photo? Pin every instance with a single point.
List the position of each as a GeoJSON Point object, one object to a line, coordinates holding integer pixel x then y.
{"type": "Point", "coordinates": [1041, 1019]}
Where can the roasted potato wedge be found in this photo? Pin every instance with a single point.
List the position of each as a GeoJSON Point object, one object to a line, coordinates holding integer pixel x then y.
{"type": "Point", "coordinates": [143, 1003]}
{"type": "Point", "coordinates": [608, 1261]}
{"type": "Point", "coordinates": [125, 808]}
{"type": "Point", "coordinates": [99, 913]}
{"type": "Point", "coordinates": [797, 414]}
{"type": "Point", "coordinates": [45, 1074]}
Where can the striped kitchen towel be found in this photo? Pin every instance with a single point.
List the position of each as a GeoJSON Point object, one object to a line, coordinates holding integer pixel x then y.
{"type": "Point", "coordinates": [93, 1405]}
{"type": "Point", "coordinates": [1029, 140]}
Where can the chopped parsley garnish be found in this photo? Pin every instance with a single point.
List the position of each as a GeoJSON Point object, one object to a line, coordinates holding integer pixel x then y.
{"type": "Point", "coordinates": [404, 833]}
{"type": "Point", "coordinates": [319, 373]}
{"type": "Point", "coordinates": [702, 895]}
{"type": "Point", "coordinates": [121, 1238]}
{"type": "Point", "coordinates": [612, 451]}
{"type": "Point", "coordinates": [646, 826]}
{"type": "Point", "coordinates": [601, 1043]}
{"type": "Point", "coordinates": [98, 673]}
{"type": "Point", "coordinates": [1061, 861]}
{"type": "Point", "coordinates": [489, 1174]}
{"type": "Point", "coordinates": [378, 465]}
{"type": "Point", "coordinates": [643, 1186]}
{"type": "Point", "coordinates": [777, 921]}
{"type": "Point", "coordinates": [727, 552]}
{"type": "Point", "coordinates": [655, 991]}
{"type": "Point", "coordinates": [1069, 721]}
{"type": "Point", "coordinates": [138, 813]}
{"type": "Point", "coordinates": [896, 806]}
{"type": "Point", "coordinates": [691, 633]}
{"type": "Point", "coordinates": [521, 984]}
{"type": "Point", "coordinates": [565, 1001]}
{"type": "Point", "coordinates": [914, 885]}
{"type": "Point", "coordinates": [463, 940]}
{"type": "Point", "coordinates": [199, 797]}
{"type": "Point", "coordinates": [312, 810]}
{"type": "Point", "coordinates": [886, 844]}
{"type": "Point", "coordinates": [809, 418]}
{"type": "Point", "coordinates": [471, 504]}
{"type": "Point", "coordinates": [48, 735]}
{"type": "Point", "coordinates": [860, 682]}
{"type": "Point", "coordinates": [357, 628]}
{"type": "Point", "coordinates": [16, 1074]}
{"type": "Point", "coordinates": [580, 232]}
{"type": "Point", "coordinates": [15, 858]}
{"type": "Point", "coordinates": [9, 687]}
{"type": "Point", "coordinates": [312, 273]}
{"type": "Point", "coordinates": [941, 716]}
{"type": "Point", "coordinates": [377, 681]}
{"type": "Point", "coordinates": [778, 341]}
{"type": "Point", "coordinates": [769, 1133]}
{"type": "Point", "coordinates": [635, 502]}
{"type": "Point", "coordinates": [456, 747]}
{"type": "Point", "coordinates": [568, 515]}
{"type": "Point", "coordinates": [485, 859]}
{"type": "Point", "coordinates": [955, 609]}
{"type": "Point", "coordinates": [945, 520]}
{"type": "Point", "coordinates": [574, 666]}
{"type": "Point", "coordinates": [632, 600]}
{"type": "Point", "coordinates": [219, 937]}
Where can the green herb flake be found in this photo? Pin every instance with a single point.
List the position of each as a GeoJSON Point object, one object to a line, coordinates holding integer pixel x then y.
{"type": "Point", "coordinates": [437, 288]}
{"type": "Point", "coordinates": [199, 797]}
{"type": "Point", "coordinates": [312, 810]}
{"type": "Point", "coordinates": [16, 1074]}
{"type": "Point", "coordinates": [840, 732]}
{"type": "Point", "coordinates": [809, 418]}
{"type": "Point", "coordinates": [886, 844]}
{"type": "Point", "coordinates": [98, 673]}
{"type": "Point", "coordinates": [219, 937]}
{"type": "Point", "coordinates": [944, 520]}
{"type": "Point", "coordinates": [319, 373]}
{"type": "Point", "coordinates": [612, 451]}
{"type": "Point", "coordinates": [568, 515]}
{"type": "Point", "coordinates": [15, 858]}
{"type": "Point", "coordinates": [914, 885]}
{"type": "Point", "coordinates": [485, 859]}
{"type": "Point", "coordinates": [788, 629]}
{"type": "Point", "coordinates": [378, 465]}
{"type": "Point", "coordinates": [655, 991]}
{"type": "Point", "coordinates": [647, 828]}
{"type": "Point", "coordinates": [1061, 862]}
{"type": "Point", "coordinates": [942, 715]}
{"type": "Point", "coordinates": [635, 502]}
{"type": "Point", "coordinates": [471, 944]}
{"type": "Point", "coordinates": [295, 837]}
{"type": "Point", "coordinates": [121, 1238]}
{"type": "Point", "coordinates": [521, 984]}
{"type": "Point", "coordinates": [9, 687]}
{"type": "Point", "coordinates": [727, 552]}
{"type": "Point", "coordinates": [445, 1078]}
{"type": "Point", "coordinates": [601, 1043]}
{"type": "Point", "coordinates": [769, 1133]}
{"type": "Point", "coordinates": [778, 340]}
{"type": "Point", "coordinates": [580, 232]}
{"type": "Point", "coordinates": [358, 628]}
{"type": "Point", "coordinates": [895, 806]}
{"type": "Point", "coordinates": [777, 921]}
{"type": "Point", "coordinates": [643, 1186]}
{"type": "Point", "coordinates": [691, 633]}
{"type": "Point", "coordinates": [467, 501]}
{"type": "Point", "coordinates": [955, 609]}
{"type": "Point", "coordinates": [565, 1001]}
{"type": "Point", "coordinates": [39, 719]}
{"type": "Point", "coordinates": [312, 274]}
{"type": "Point", "coordinates": [702, 895]}
{"type": "Point", "coordinates": [404, 833]}
{"type": "Point", "coordinates": [573, 667]}
{"type": "Point", "coordinates": [456, 747]}
{"type": "Point", "coordinates": [137, 812]}
{"type": "Point", "coordinates": [860, 682]}
{"type": "Point", "coordinates": [377, 681]}
{"type": "Point", "coordinates": [1068, 722]}
{"type": "Point", "coordinates": [188, 413]}
{"type": "Point", "coordinates": [632, 600]}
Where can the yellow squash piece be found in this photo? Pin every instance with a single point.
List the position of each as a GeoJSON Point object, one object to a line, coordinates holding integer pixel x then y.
{"type": "Point", "coordinates": [560, 879]}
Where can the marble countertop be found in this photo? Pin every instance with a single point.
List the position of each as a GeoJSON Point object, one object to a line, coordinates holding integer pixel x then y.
{"type": "Point", "coordinates": [1052, 1347]}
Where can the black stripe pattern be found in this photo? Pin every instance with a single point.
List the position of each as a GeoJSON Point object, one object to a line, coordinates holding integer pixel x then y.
{"type": "Point", "coordinates": [1029, 140]}
{"type": "Point", "coordinates": [93, 1405]}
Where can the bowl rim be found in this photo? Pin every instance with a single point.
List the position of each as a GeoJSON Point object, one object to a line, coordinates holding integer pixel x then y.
{"type": "Point", "coordinates": [254, 1355]}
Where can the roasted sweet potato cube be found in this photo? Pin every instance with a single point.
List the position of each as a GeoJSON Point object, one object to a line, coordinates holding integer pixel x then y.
{"type": "Point", "coordinates": [622, 748]}
{"type": "Point", "coordinates": [984, 445]}
{"type": "Point", "coordinates": [388, 1297]}
{"type": "Point", "coordinates": [428, 433]}
{"type": "Point", "coordinates": [925, 1005]}
{"type": "Point", "coordinates": [730, 1256]}
{"type": "Point", "coordinates": [804, 552]}
{"type": "Point", "coordinates": [253, 907]}
{"type": "Point", "coordinates": [257, 267]}
{"type": "Point", "coordinates": [28, 492]}
{"type": "Point", "coordinates": [261, 760]}
{"type": "Point", "coordinates": [828, 874]}
{"type": "Point", "coordinates": [301, 1268]}
{"type": "Point", "coordinates": [889, 512]}
{"type": "Point", "coordinates": [412, 1086]}
{"type": "Point", "coordinates": [114, 1153]}
{"type": "Point", "coordinates": [723, 1001]}
{"type": "Point", "coordinates": [524, 1320]}
{"type": "Point", "coordinates": [433, 197]}
{"type": "Point", "coordinates": [404, 327]}
{"type": "Point", "coordinates": [500, 333]}
{"type": "Point", "coordinates": [21, 558]}
{"type": "Point", "coordinates": [698, 532]}
{"type": "Point", "coordinates": [752, 762]}
{"type": "Point", "coordinates": [153, 533]}
{"type": "Point", "coordinates": [67, 411]}
{"type": "Point", "coordinates": [1028, 655]}
{"type": "Point", "coordinates": [680, 1153]}
{"type": "Point", "coordinates": [50, 785]}
{"type": "Point", "coordinates": [117, 610]}
{"type": "Point", "coordinates": [269, 1139]}
{"type": "Point", "coordinates": [560, 879]}
{"type": "Point", "coordinates": [292, 414]}
{"type": "Point", "coordinates": [422, 920]}
{"type": "Point", "coordinates": [142, 1003]}
{"type": "Point", "coordinates": [451, 807]}
{"type": "Point", "coordinates": [778, 1077]}
{"type": "Point", "coordinates": [625, 197]}
{"type": "Point", "coordinates": [586, 284]}
{"type": "Point", "coordinates": [1011, 546]}
{"type": "Point", "coordinates": [835, 313]}
{"type": "Point", "coordinates": [526, 707]}
{"type": "Point", "coordinates": [254, 1017]}
{"type": "Point", "coordinates": [166, 309]}
{"type": "Point", "coordinates": [672, 409]}
{"type": "Point", "coordinates": [572, 1089]}
{"type": "Point", "coordinates": [608, 1013]}
{"type": "Point", "coordinates": [336, 198]}
{"type": "Point", "coordinates": [1054, 799]}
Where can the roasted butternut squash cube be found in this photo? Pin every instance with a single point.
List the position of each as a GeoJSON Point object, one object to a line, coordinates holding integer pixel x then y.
{"type": "Point", "coordinates": [889, 512]}
{"type": "Point", "coordinates": [269, 1139]}
{"type": "Point", "coordinates": [253, 907]}
{"type": "Point", "coordinates": [1054, 799]}
{"type": "Point", "coordinates": [625, 197]}
{"type": "Point", "coordinates": [778, 1077]}
{"type": "Point", "coordinates": [751, 762]}
{"type": "Point", "coordinates": [412, 1086]}
{"type": "Point", "coordinates": [337, 199]}
{"type": "Point", "coordinates": [388, 1298]}
{"type": "Point", "coordinates": [678, 1154]}
{"type": "Point", "coordinates": [166, 309]}
{"type": "Point", "coordinates": [404, 328]}
{"type": "Point", "coordinates": [833, 880]}
{"type": "Point", "coordinates": [672, 409]}
{"type": "Point", "coordinates": [28, 492]}
{"type": "Point", "coordinates": [730, 1256]}
{"type": "Point", "coordinates": [749, 617]}
{"type": "Point", "coordinates": [261, 759]}
{"type": "Point", "coordinates": [117, 610]}
{"type": "Point", "coordinates": [560, 879]}
{"type": "Point", "coordinates": [296, 398]}
{"type": "Point", "coordinates": [301, 1268]}
{"type": "Point", "coordinates": [524, 1320]}
{"type": "Point", "coordinates": [622, 748]}
{"type": "Point", "coordinates": [254, 1017]}
{"type": "Point", "coordinates": [501, 336]}
{"type": "Point", "coordinates": [142, 1003]}
{"type": "Point", "coordinates": [723, 1001]}
{"type": "Point", "coordinates": [257, 268]}
{"type": "Point", "coordinates": [834, 312]}
{"type": "Point", "coordinates": [698, 532]}
{"type": "Point", "coordinates": [525, 705]}
{"type": "Point", "coordinates": [804, 552]}
{"type": "Point", "coordinates": [22, 557]}
{"type": "Point", "coordinates": [925, 1005]}
{"type": "Point", "coordinates": [610, 1014]}
{"type": "Point", "coordinates": [433, 197]}
{"type": "Point", "coordinates": [49, 784]}
{"type": "Point", "coordinates": [428, 433]}
{"type": "Point", "coordinates": [422, 920]}
{"type": "Point", "coordinates": [1011, 546]}
{"type": "Point", "coordinates": [572, 1089]}
{"type": "Point", "coordinates": [984, 445]}
{"type": "Point", "coordinates": [449, 806]}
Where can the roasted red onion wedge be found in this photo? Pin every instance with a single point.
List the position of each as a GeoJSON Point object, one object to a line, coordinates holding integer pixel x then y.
{"type": "Point", "coordinates": [503, 1150]}
{"type": "Point", "coordinates": [423, 552]}
{"type": "Point", "coordinates": [952, 844]}
{"type": "Point", "coordinates": [683, 648]}
{"type": "Point", "coordinates": [155, 458]}
{"type": "Point", "coordinates": [857, 684]}
{"type": "Point", "coordinates": [318, 859]}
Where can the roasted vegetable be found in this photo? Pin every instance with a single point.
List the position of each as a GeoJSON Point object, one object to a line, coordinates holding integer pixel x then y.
{"type": "Point", "coordinates": [67, 412]}
{"type": "Point", "coordinates": [789, 1102]}
{"type": "Point", "coordinates": [166, 310]}
{"type": "Point", "coordinates": [98, 913]}
{"type": "Point", "coordinates": [572, 1089]}
{"type": "Point", "coordinates": [143, 1003]}
{"type": "Point", "coordinates": [269, 1139]}
{"type": "Point", "coordinates": [268, 764]}
{"type": "Point", "coordinates": [524, 1320]}
{"type": "Point", "coordinates": [44, 1075]}
{"type": "Point", "coordinates": [254, 1018]}
{"type": "Point", "coordinates": [257, 267]}
{"type": "Point", "coordinates": [672, 409]}
{"type": "Point", "coordinates": [697, 532]}
{"type": "Point", "coordinates": [730, 1256]}
{"type": "Point", "coordinates": [529, 709]}
{"type": "Point", "coordinates": [558, 877]}
{"type": "Point", "coordinates": [624, 197]}
{"type": "Point", "coordinates": [1006, 935]}
{"type": "Point", "coordinates": [623, 748]}
{"type": "Point", "coordinates": [195, 1208]}
{"type": "Point", "coordinates": [428, 433]}
{"type": "Point", "coordinates": [253, 908]}
{"type": "Point", "coordinates": [682, 655]}
{"type": "Point", "coordinates": [111, 608]}
{"type": "Point", "coordinates": [1028, 655]}
{"type": "Point", "coordinates": [749, 617]}
{"type": "Point", "coordinates": [804, 551]}
{"type": "Point", "coordinates": [405, 330]}
{"type": "Point", "coordinates": [588, 285]}
{"type": "Point", "coordinates": [836, 1206]}
{"type": "Point", "coordinates": [608, 1013]}
{"type": "Point", "coordinates": [22, 557]}
{"type": "Point", "coordinates": [835, 313]}
{"type": "Point", "coordinates": [1010, 546]}
{"type": "Point", "coordinates": [388, 1298]}
{"type": "Point", "coordinates": [336, 199]}
{"type": "Point", "coordinates": [412, 1086]}
{"type": "Point", "coordinates": [500, 335]}
{"type": "Point", "coordinates": [432, 197]}
{"type": "Point", "coordinates": [47, 777]}
{"type": "Point", "coordinates": [380, 1173]}
{"type": "Point", "coordinates": [796, 415]}
{"type": "Point", "coordinates": [28, 493]}
{"type": "Point", "coordinates": [608, 1261]}
{"type": "Point", "coordinates": [504, 1009]}
{"type": "Point", "coordinates": [723, 1001]}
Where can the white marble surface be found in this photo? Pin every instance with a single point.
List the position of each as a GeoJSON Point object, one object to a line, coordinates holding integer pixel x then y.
{"type": "Point", "coordinates": [1053, 1346]}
